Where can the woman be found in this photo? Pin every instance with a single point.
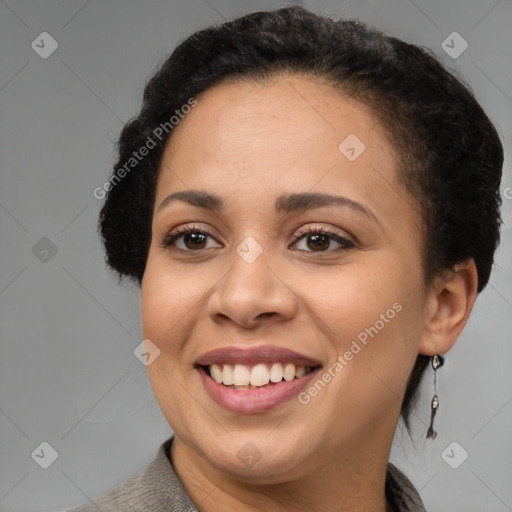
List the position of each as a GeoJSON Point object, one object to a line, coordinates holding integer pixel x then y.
{"type": "Point", "coordinates": [310, 208]}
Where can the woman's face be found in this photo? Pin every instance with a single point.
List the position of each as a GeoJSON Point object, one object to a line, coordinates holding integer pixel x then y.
{"type": "Point", "coordinates": [262, 287]}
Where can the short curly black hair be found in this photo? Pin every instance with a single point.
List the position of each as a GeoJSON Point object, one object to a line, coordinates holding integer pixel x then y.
{"type": "Point", "coordinates": [449, 153]}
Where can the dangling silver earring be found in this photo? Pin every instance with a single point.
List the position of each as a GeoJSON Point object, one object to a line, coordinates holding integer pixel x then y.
{"type": "Point", "coordinates": [437, 361]}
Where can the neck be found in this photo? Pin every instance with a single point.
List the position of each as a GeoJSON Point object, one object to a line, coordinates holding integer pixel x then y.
{"type": "Point", "coordinates": [352, 482]}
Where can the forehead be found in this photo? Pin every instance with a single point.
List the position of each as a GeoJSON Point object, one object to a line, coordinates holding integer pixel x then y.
{"type": "Point", "coordinates": [255, 140]}
{"type": "Point", "coordinates": [289, 112]}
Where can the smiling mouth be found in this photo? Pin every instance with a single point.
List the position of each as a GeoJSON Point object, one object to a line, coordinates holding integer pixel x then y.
{"type": "Point", "coordinates": [255, 379]}
{"type": "Point", "coordinates": [241, 376]}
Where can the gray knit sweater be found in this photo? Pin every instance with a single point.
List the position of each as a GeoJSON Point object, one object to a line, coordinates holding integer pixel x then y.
{"type": "Point", "coordinates": [158, 489]}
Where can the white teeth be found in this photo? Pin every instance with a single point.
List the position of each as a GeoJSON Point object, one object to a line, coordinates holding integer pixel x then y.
{"type": "Point", "coordinates": [289, 372]}
{"type": "Point", "coordinates": [276, 372]}
{"type": "Point", "coordinates": [216, 373]}
{"type": "Point", "coordinates": [227, 375]}
{"type": "Point", "coordinates": [300, 371]}
{"type": "Point", "coordinates": [259, 375]}
{"type": "Point", "coordinates": [241, 376]}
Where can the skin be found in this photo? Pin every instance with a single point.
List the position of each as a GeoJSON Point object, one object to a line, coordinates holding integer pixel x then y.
{"type": "Point", "coordinates": [250, 143]}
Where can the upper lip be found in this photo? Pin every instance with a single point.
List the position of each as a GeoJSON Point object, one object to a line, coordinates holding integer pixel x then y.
{"type": "Point", "coordinates": [255, 355]}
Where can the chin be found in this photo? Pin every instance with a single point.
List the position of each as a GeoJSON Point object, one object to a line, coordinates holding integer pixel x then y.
{"type": "Point", "coordinates": [259, 459]}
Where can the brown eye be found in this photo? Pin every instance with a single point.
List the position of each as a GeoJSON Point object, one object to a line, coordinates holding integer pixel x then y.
{"type": "Point", "coordinates": [320, 239]}
{"type": "Point", "coordinates": [318, 242]}
{"type": "Point", "coordinates": [188, 239]}
{"type": "Point", "coordinates": [194, 240]}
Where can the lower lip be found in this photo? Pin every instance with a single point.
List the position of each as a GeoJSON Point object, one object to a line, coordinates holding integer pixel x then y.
{"type": "Point", "coordinates": [251, 401]}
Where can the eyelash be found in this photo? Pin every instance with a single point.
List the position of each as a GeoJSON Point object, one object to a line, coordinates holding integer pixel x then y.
{"type": "Point", "coordinates": [346, 244]}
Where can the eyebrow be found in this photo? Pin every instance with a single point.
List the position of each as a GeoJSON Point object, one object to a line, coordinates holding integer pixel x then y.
{"type": "Point", "coordinates": [286, 203]}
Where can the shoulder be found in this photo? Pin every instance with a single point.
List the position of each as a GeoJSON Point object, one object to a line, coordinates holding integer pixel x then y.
{"type": "Point", "coordinates": [156, 488]}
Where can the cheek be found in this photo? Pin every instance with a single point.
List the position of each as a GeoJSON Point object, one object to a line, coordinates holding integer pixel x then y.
{"type": "Point", "coordinates": [354, 297]}
{"type": "Point", "coordinates": [373, 320]}
{"type": "Point", "coordinates": [168, 298]}
{"type": "Point", "coordinates": [172, 307]}
{"type": "Point", "coordinates": [165, 304]}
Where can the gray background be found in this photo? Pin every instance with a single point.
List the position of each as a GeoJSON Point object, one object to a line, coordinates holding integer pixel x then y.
{"type": "Point", "coordinates": [68, 375]}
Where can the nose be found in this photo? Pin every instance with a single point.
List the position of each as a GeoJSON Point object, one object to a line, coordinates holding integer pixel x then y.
{"type": "Point", "coordinates": [251, 294]}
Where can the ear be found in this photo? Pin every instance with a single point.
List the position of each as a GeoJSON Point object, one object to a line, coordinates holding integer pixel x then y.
{"type": "Point", "coordinates": [449, 303]}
